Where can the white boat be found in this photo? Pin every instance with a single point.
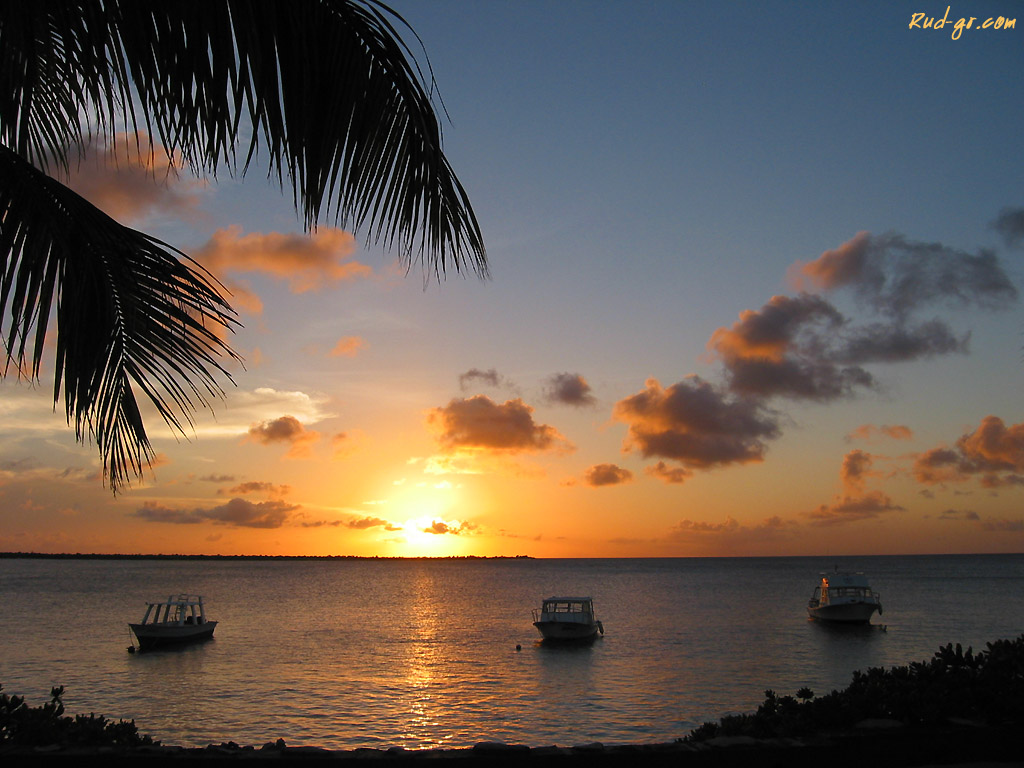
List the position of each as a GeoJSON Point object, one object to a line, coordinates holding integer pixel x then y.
{"type": "Point", "coordinates": [179, 619]}
{"type": "Point", "coordinates": [844, 597]}
{"type": "Point", "coordinates": [567, 618]}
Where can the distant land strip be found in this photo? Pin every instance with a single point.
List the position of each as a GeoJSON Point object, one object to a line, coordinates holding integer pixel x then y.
{"type": "Point", "coordinates": [93, 556]}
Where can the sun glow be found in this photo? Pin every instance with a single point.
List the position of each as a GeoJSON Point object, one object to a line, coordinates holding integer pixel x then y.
{"type": "Point", "coordinates": [430, 527]}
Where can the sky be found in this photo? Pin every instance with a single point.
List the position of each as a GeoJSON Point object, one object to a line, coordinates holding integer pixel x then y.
{"type": "Point", "coordinates": [755, 290]}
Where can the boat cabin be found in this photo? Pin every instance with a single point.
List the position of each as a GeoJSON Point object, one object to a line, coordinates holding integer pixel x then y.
{"type": "Point", "coordinates": [567, 609]}
{"type": "Point", "coordinates": [844, 587]}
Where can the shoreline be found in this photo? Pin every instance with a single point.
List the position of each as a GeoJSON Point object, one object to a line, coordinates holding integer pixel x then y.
{"type": "Point", "coordinates": [875, 743]}
{"type": "Point", "coordinates": [113, 556]}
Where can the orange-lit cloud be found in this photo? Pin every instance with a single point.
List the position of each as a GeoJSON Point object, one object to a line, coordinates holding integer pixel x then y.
{"type": "Point", "coordinates": [993, 452]}
{"type": "Point", "coordinates": [855, 470]}
{"type": "Point", "coordinates": [237, 512]}
{"type": "Point", "coordinates": [788, 349]}
{"type": "Point", "coordinates": [670, 475]}
{"type": "Point", "coordinates": [606, 474]}
{"type": "Point", "coordinates": [958, 514]}
{"type": "Point", "coordinates": [440, 527]}
{"type": "Point", "coordinates": [996, 524]}
{"type": "Point", "coordinates": [363, 523]}
{"type": "Point", "coordinates": [695, 424]}
{"type": "Point", "coordinates": [804, 348]}
{"type": "Point", "coordinates": [307, 262]}
{"type": "Point", "coordinates": [731, 532]}
{"type": "Point", "coordinates": [256, 487]}
{"type": "Point", "coordinates": [855, 503]}
{"type": "Point", "coordinates": [569, 389]}
{"type": "Point", "coordinates": [771, 333]}
{"type": "Point", "coordinates": [868, 432]}
{"type": "Point", "coordinates": [288, 430]}
{"type": "Point", "coordinates": [349, 346]}
{"type": "Point", "coordinates": [835, 268]}
{"type": "Point", "coordinates": [480, 424]}
{"type": "Point", "coordinates": [134, 179]}
{"type": "Point", "coordinates": [851, 509]}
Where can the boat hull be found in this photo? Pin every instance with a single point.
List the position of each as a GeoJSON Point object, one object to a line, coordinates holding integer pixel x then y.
{"type": "Point", "coordinates": [160, 635]}
{"type": "Point", "coordinates": [845, 613]}
{"type": "Point", "coordinates": [567, 630]}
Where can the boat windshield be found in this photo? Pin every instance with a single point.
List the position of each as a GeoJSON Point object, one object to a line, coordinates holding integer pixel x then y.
{"type": "Point", "coordinates": [568, 606]}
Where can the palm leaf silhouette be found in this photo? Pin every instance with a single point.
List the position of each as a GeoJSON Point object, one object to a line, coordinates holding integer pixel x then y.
{"type": "Point", "coordinates": [325, 92]}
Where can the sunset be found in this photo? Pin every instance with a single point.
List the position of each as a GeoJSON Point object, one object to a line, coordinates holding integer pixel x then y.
{"type": "Point", "coordinates": [753, 292]}
{"type": "Point", "coordinates": [639, 382]}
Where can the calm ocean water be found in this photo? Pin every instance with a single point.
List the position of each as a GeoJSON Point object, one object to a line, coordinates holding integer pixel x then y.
{"type": "Point", "coordinates": [422, 653]}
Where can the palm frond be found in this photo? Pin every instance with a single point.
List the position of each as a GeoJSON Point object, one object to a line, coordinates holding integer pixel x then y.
{"type": "Point", "coordinates": [327, 90]}
{"type": "Point", "coordinates": [130, 312]}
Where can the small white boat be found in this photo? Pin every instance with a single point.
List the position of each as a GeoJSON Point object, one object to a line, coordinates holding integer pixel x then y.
{"type": "Point", "coordinates": [844, 597]}
{"type": "Point", "coordinates": [179, 619]}
{"type": "Point", "coordinates": [567, 618]}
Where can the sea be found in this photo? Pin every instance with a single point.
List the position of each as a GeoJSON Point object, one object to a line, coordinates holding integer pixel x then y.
{"type": "Point", "coordinates": [347, 653]}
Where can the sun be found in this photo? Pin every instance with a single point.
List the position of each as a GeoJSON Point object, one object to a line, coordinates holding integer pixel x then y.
{"type": "Point", "coordinates": [430, 524]}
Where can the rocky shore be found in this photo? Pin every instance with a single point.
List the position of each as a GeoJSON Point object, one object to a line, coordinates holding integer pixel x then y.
{"type": "Point", "coordinates": [870, 744]}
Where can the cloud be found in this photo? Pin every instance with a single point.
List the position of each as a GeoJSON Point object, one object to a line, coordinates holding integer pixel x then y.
{"type": "Point", "coordinates": [958, 514]}
{"type": "Point", "coordinates": [256, 487]}
{"type": "Point", "coordinates": [868, 432]}
{"type": "Point", "coordinates": [241, 409]}
{"type": "Point", "coordinates": [804, 348]}
{"type": "Point", "coordinates": [307, 262]}
{"type": "Point", "coordinates": [895, 276]}
{"type": "Point", "coordinates": [730, 532]}
{"type": "Point", "coordinates": [455, 527]}
{"type": "Point", "coordinates": [993, 452]}
{"type": "Point", "coordinates": [285, 429]}
{"type": "Point", "coordinates": [362, 523]}
{"type": "Point", "coordinates": [606, 474]}
{"type": "Point", "coordinates": [490, 377]}
{"type": "Point", "coordinates": [670, 475]}
{"type": "Point", "coordinates": [569, 389]}
{"type": "Point", "coordinates": [349, 346]}
{"type": "Point", "coordinates": [1010, 224]}
{"type": "Point", "coordinates": [1003, 525]}
{"type": "Point", "coordinates": [243, 513]}
{"type": "Point", "coordinates": [784, 350]}
{"type": "Point", "coordinates": [851, 509]}
{"type": "Point", "coordinates": [480, 424]}
{"type": "Point", "coordinates": [155, 513]}
{"type": "Point", "coordinates": [856, 468]}
{"type": "Point", "coordinates": [695, 424]}
{"type": "Point", "coordinates": [887, 343]}
{"type": "Point", "coordinates": [135, 179]}
{"type": "Point", "coordinates": [238, 513]}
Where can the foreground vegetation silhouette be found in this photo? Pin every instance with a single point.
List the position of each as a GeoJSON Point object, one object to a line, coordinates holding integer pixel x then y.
{"type": "Point", "coordinates": [985, 687]}
{"type": "Point", "coordinates": [25, 726]}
